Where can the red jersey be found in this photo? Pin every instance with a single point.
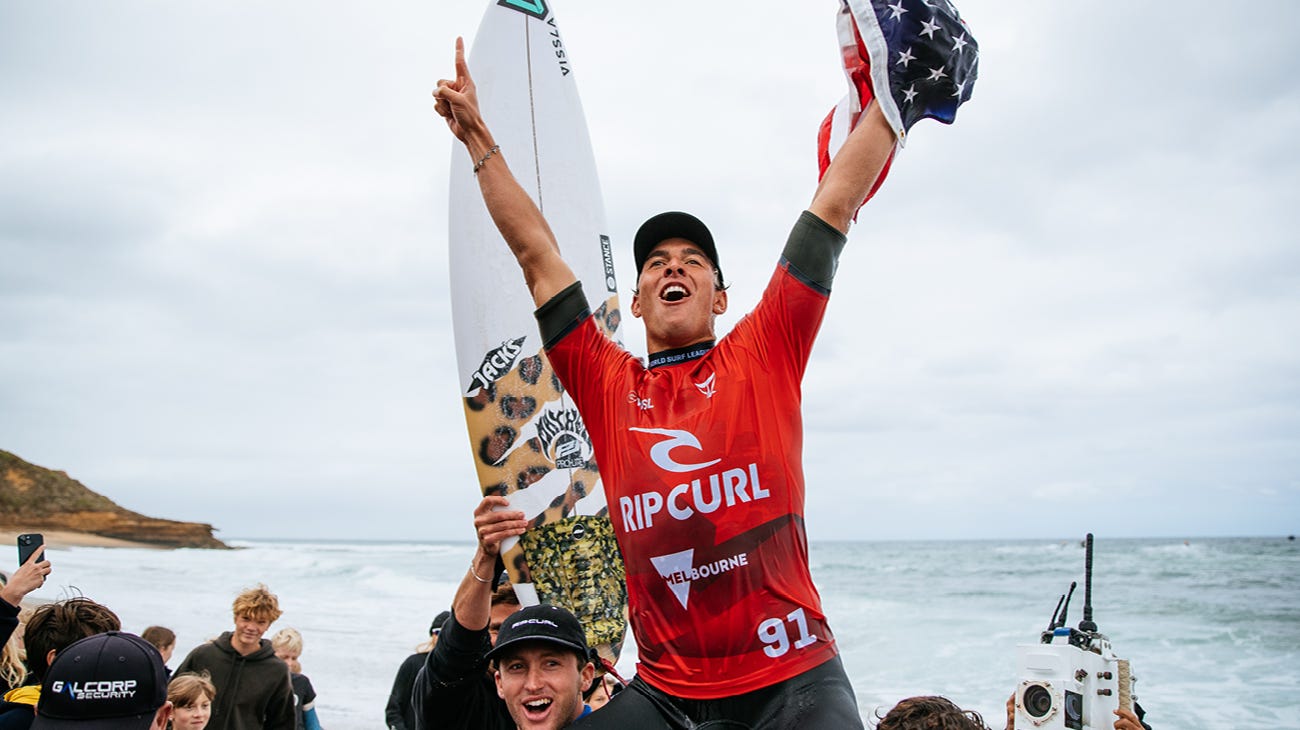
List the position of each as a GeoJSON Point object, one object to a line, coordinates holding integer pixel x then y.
{"type": "Point", "coordinates": [701, 457]}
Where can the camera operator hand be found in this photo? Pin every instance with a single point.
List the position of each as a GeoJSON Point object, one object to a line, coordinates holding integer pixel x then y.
{"type": "Point", "coordinates": [29, 576]}
{"type": "Point", "coordinates": [1127, 720]}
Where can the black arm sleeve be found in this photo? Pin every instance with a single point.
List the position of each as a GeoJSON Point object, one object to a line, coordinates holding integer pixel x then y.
{"type": "Point", "coordinates": [561, 313]}
{"type": "Point", "coordinates": [813, 251]}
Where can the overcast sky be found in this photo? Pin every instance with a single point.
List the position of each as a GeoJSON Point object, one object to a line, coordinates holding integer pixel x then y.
{"type": "Point", "coordinates": [223, 258]}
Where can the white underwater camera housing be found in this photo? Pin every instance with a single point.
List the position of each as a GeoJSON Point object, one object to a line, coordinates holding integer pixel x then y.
{"type": "Point", "coordinates": [1072, 679]}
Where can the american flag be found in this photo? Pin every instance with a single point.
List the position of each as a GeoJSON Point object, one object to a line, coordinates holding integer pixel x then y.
{"type": "Point", "coordinates": [919, 51]}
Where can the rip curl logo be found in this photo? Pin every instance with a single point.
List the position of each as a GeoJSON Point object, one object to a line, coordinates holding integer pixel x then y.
{"type": "Point", "coordinates": [535, 8]}
{"type": "Point", "coordinates": [564, 438]}
{"type": "Point", "coordinates": [679, 570]}
{"type": "Point", "coordinates": [496, 363]}
{"type": "Point", "coordinates": [707, 386]}
{"type": "Point", "coordinates": [105, 690]}
{"type": "Point", "coordinates": [536, 621]}
{"type": "Point", "coordinates": [661, 452]}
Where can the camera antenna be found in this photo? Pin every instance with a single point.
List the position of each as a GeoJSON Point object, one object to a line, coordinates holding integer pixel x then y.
{"type": "Point", "coordinates": [1053, 623]}
{"type": "Point", "coordinates": [1058, 618]}
{"type": "Point", "coordinates": [1087, 623]}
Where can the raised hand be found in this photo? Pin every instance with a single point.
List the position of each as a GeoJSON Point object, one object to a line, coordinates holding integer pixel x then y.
{"type": "Point", "coordinates": [457, 100]}
{"type": "Point", "coordinates": [29, 576]}
{"type": "Point", "coordinates": [494, 522]}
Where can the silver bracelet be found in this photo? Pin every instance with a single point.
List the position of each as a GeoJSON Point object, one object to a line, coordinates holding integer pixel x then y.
{"type": "Point", "coordinates": [479, 166]}
{"type": "Point", "coordinates": [480, 580]}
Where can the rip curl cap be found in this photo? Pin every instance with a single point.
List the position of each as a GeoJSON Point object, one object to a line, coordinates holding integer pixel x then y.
{"type": "Point", "coordinates": [546, 623]}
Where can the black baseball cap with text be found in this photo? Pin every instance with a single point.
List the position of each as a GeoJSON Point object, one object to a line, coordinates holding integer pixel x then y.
{"type": "Point", "coordinates": [545, 623]}
{"type": "Point", "coordinates": [110, 681]}
{"type": "Point", "coordinates": [673, 224]}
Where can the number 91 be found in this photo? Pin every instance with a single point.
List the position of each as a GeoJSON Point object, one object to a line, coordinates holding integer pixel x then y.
{"type": "Point", "coordinates": [776, 638]}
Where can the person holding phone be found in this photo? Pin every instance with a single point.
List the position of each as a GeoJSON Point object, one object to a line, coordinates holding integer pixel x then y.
{"type": "Point", "coordinates": [30, 575]}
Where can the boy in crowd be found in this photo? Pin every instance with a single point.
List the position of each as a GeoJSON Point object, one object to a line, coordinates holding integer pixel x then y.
{"type": "Point", "coordinates": [52, 628]}
{"type": "Point", "coordinates": [287, 643]}
{"type": "Point", "coordinates": [253, 686]}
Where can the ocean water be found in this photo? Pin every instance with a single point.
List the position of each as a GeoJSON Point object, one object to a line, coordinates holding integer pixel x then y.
{"type": "Point", "coordinates": [1211, 626]}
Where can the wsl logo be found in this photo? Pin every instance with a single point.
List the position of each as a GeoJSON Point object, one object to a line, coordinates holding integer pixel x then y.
{"type": "Point", "coordinates": [564, 439]}
{"type": "Point", "coordinates": [535, 8]}
{"type": "Point", "coordinates": [496, 364]}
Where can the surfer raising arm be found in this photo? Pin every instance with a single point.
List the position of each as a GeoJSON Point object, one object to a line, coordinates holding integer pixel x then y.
{"type": "Point", "coordinates": [699, 445]}
{"type": "Point", "coordinates": [853, 170]}
{"type": "Point", "coordinates": [521, 224]}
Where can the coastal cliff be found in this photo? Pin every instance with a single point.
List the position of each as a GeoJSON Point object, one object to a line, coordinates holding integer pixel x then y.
{"type": "Point", "coordinates": [33, 499]}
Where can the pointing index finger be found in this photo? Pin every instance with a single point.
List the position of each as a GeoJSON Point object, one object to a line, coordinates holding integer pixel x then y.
{"type": "Point", "coordinates": [462, 68]}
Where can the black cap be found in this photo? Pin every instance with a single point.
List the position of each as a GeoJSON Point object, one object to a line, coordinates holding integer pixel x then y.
{"type": "Point", "coordinates": [673, 224]}
{"type": "Point", "coordinates": [438, 621]}
{"type": "Point", "coordinates": [111, 681]}
{"type": "Point", "coordinates": [541, 623]}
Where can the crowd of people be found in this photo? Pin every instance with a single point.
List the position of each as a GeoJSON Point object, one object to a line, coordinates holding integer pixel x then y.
{"type": "Point", "coordinates": [68, 665]}
{"type": "Point", "coordinates": [749, 647]}
{"type": "Point", "coordinates": [488, 663]}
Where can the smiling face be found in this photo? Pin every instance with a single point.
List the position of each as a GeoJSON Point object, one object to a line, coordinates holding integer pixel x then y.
{"type": "Point", "coordinates": [542, 685]}
{"type": "Point", "coordinates": [194, 716]}
{"type": "Point", "coordinates": [248, 633]}
{"type": "Point", "coordinates": [677, 296]}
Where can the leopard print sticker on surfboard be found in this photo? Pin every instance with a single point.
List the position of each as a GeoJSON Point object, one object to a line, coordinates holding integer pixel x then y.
{"type": "Point", "coordinates": [531, 446]}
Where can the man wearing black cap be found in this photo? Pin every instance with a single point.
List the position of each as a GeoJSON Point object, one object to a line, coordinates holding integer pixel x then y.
{"type": "Point", "coordinates": [111, 681]}
{"type": "Point", "coordinates": [540, 665]}
{"type": "Point", "coordinates": [700, 445]}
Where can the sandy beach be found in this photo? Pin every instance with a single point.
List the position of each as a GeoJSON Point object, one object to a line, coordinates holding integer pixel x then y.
{"type": "Point", "coordinates": [66, 538]}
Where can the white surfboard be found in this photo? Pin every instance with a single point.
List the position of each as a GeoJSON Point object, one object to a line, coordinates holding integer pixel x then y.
{"type": "Point", "coordinates": [527, 440]}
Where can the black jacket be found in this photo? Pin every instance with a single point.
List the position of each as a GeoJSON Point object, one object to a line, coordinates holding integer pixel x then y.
{"type": "Point", "coordinates": [399, 714]}
{"type": "Point", "coordinates": [15, 716]}
{"type": "Point", "coordinates": [253, 692]}
{"type": "Point", "coordinates": [453, 688]}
